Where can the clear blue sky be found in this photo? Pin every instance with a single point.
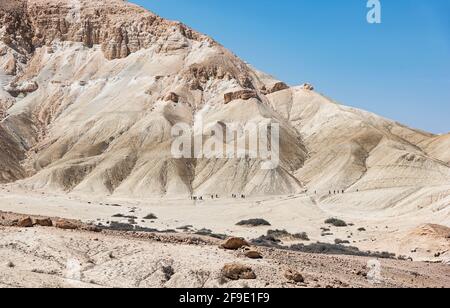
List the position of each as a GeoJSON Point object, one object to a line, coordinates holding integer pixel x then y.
{"type": "Point", "coordinates": [399, 69]}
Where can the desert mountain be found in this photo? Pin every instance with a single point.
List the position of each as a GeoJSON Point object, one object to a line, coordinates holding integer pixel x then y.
{"type": "Point", "coordinates": [89, 92]}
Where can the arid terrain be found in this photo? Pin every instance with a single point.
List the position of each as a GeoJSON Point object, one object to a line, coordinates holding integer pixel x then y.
{"type": "Point", "coordinates": [53, 257]}
{"type": "Point", "coordinates": [89, 94]}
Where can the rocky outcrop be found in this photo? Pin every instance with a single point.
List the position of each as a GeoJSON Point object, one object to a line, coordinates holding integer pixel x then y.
{"type": "Point", "coordinates": [120, 28]}
{"type": "Point", "coordinates": [276, 87]}
{"type": "Point", "coordinates": [242, 94]}
{"type": "Point", "coordinates": [23, 88]}
{"type": "Point", "coordinates": [308, 87]}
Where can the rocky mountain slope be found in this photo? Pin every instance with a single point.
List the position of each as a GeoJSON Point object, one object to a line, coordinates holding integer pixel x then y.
{"type": "Point", "coordinates": [89, 92]}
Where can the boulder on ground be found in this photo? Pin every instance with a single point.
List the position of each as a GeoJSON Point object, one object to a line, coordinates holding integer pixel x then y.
{"type": "Point", "coordinates": [25, 223]}
{"type": "Point", "coordinates": [43, 222]}
{"type": "Point", "coordinates": [236, 271]}
{"type": "Point", "coordinates": [65, 224]}
{"type": "Point", "coordinates": [294, 276]}
{"type": "Point", "coordinates": [253, 254]}
{"type": "Point", "coordinates": [234, 243]}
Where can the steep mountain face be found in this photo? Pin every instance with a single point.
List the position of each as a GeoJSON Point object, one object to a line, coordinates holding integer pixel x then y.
{"type": "Point", "coordinates": [90, 90]}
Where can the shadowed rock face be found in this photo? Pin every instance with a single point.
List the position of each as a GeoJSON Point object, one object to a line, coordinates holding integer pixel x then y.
{"type": "Point", "coordinates": [90, 90]}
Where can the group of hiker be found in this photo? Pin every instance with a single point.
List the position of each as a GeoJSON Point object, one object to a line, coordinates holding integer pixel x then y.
{"type": "Point", "coordinates": [234, 196]}
{"type": "Point", "coordinates": [212, 197]}
{"type": "Point", "coordinates": [334, 192]}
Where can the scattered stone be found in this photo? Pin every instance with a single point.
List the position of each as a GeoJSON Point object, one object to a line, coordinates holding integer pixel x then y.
{"type": "Point", "coordinates": [25, 223]}
{"type": "Point", "coordinates": [234, 243]}
{"type": "Point", "coordinates": [43, 222]}
{"type": "Point", "coordinates": [236, 271]}
{"type": "Point", "coordinates": [253, 254]}
{"type": "Point", "coordinates": [150, 217]}
{"type": "Point", "coordinates": [65, 224]}
{"type": "Point", "coordinates": [294, 276]}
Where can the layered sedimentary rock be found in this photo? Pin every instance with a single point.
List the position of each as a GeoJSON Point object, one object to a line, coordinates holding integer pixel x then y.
{"type": "Point", "coordinates": [90, 92]}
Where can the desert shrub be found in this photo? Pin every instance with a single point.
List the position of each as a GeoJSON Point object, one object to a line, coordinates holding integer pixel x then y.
{"type": "Point", "coordinates": [340, 242]}
{"type": "Point", "coordinates": [145, 230]}
{"type": "Point", "coordinates": [278, 233]}
{"type": "Point", "coordinates": [185, 228]}
{"type": "Point", "coordinates": [301, 236]}
{"type": "Point", "coordinates": [118, 226]}
{"type": "Point", "coordinates": [124, 216]}
{"type": "Point", "coordinates": [362, 229]}
{"type": "Point", "coordinates": [334, 249]}
{"type": "Point", "coordinates": [168, 272]}
{"type": "Point", "coordinates": [150, 217]}
{"type": "Point", "coordinates": [266, 241]}
{"type": "Point", "coordinates": [283, 234]}
{"type": "Point", "coordinates": [336, 222]}
{"type": "Point", "coordinates": [210, 233]}
{"type": "Point", "coordinates": [256, 222]}
{"type": "Point", "coordinates": [327, 234]}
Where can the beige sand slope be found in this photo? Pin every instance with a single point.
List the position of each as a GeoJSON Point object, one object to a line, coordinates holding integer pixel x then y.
{"type": "Point", "coordinates": [91, 89]}
{"type": "Point", "coordinates": [438, 147]}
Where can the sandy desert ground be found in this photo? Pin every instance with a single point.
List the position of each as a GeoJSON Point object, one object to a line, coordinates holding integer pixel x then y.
{"type": "Point", "coordinates": [48, 257]}
{"type": "Point", "coordinates": [395, 229]}
{"type": "Point", "coordinates": [43, 256]}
